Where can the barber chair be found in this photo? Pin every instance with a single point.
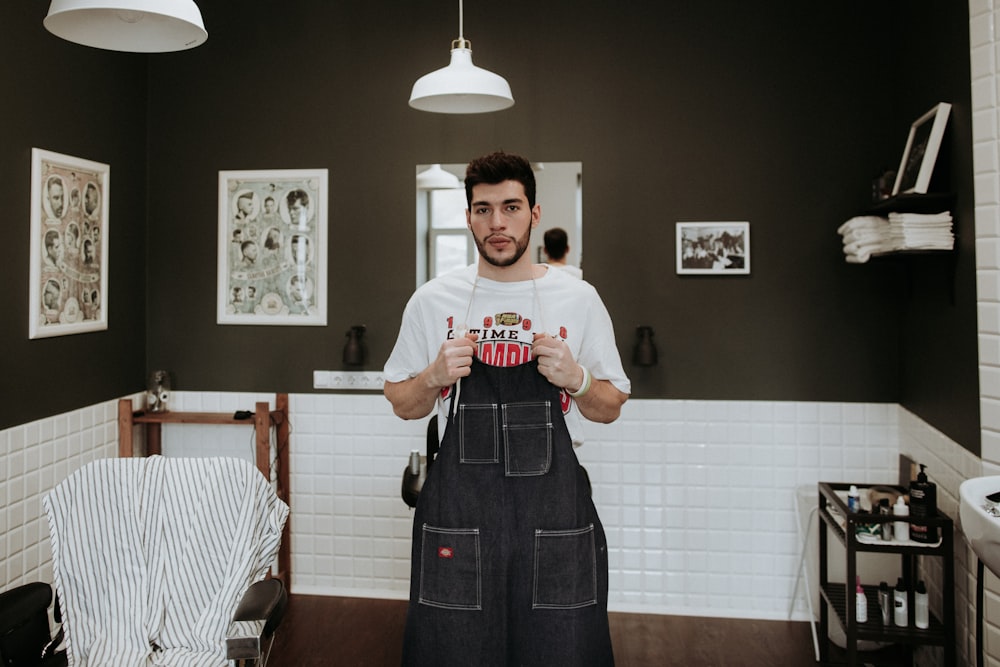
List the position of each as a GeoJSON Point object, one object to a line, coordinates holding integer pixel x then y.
{"type": "Point", "coordinates": [163, 561]}
{"type": "Point", "coordinates": [25, 632]}
{"type": "Point", "coordinates": [416, 470]}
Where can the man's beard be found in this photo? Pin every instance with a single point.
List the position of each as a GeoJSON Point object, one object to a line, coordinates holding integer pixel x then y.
{"type": "Point", "coordinates": [520, 244]}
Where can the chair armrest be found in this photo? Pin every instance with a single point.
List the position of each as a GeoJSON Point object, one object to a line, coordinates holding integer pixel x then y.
{"type": "Point", "coordinates": [255, 619]}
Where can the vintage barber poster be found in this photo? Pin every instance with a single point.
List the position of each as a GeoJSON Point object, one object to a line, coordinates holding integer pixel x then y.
{"type": "Point", "coordinates": [272, 247]}
{"type": "Point", "coordinates": [69, 245]}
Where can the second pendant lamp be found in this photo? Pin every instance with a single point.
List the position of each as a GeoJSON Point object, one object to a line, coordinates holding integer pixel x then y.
{"type": "Point", "coordinates": [461, 87]}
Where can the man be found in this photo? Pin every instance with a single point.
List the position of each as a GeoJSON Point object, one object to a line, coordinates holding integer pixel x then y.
{"type": "Point", "coordinates": [556, 246]}
{"type": "Point", "coordinates": [244, 207]}
{"type": "Point", "coordinates": [90, 200]}
{"type": "Point", "coordinates": [249, 251]}
{"type": "Point", "coordinates": [53, 249]}
{"type": "Point", "coordinates": [509, 558]}
{"type": "Point", "coordinates": [55, 192]}
{"type": "Point", "coordinates": [298, 208]}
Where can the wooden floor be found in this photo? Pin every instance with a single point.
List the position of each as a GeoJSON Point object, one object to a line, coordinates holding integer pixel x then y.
{"type": "Point", "coordinates": [355, 632]}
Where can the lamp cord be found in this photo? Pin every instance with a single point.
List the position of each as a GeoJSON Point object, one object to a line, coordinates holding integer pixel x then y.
{"type": "Point", "coordinates": [461, 36]}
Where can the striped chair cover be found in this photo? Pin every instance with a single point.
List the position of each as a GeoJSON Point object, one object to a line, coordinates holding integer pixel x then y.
{"type": "Point", "coordinates": [152, 555]}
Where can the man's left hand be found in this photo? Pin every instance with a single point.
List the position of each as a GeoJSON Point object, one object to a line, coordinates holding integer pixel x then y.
{"type": "Point", "coordinates": [556, 363]}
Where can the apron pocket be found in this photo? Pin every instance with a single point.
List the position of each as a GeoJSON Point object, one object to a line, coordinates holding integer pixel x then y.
{"type": "Point", "coordinates": [450, 568]}
{"type": "Point", "coordinates": [565, 569]}
{"type": "Point", "coordinates": [527, 438]}
{"type": "Point", "coordinates": [477, 431]}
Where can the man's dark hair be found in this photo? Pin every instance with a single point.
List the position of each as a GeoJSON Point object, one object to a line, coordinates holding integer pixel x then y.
{"type": "Point", "coordinates": [497, 168]}
{"type": "Point", "coordinates": [556, 243]}
{"type": "Point", "coordinates": [298, 194]}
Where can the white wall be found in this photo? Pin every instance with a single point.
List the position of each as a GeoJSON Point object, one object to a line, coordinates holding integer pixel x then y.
{"type": "Point", "coordinates": [984, 21]}
{"type": "Point", "coordinates": [697, 497]}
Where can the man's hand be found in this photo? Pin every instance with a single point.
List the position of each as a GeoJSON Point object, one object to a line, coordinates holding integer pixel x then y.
{"type": "Point", "coordinates": [415, 398]}
{"type": "Point", "coordinates": [454, 361]}
{"type": "Point", "coordinates": [556, 363]}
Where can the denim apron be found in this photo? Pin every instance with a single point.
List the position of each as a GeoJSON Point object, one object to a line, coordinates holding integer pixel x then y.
{"type": "Point", "coordinates": [509, 564]}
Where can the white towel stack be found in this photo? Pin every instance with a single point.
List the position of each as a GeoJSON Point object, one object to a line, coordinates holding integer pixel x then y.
{"type": "Point", "coordinates": [915, 231]}
{"type": "Point", "coordinates": [864, 236]}
{"type": "Point", "coordinates": [868, 235]}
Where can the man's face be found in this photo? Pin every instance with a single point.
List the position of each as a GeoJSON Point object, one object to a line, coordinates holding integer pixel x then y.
{"type": "Point", "coordinates": [501, 221]}
{"type": "Point", "coordinates": [55, 250]}
{"type": "Point", "coordinates": [56, 198]}
{"type": "Point", "coordinates": [297, 213]}
{"type": "Point", "coordinates": [250, 251]}
{"type": "Point", "coordinates": [90, 199]}
{"type": "Point", "coordinates": [245, 205]}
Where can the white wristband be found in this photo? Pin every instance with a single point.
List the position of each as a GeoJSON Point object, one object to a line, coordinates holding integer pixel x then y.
{"type": "Point", "coordinates": [585, 386]}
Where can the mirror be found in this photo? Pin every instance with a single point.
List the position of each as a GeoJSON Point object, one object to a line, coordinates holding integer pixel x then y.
{"type": "Point", "coordinates": [443, 240]}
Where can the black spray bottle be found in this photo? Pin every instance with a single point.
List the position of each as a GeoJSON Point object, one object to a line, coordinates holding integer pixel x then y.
{"type": "Point", "coordinates": [923, 505]}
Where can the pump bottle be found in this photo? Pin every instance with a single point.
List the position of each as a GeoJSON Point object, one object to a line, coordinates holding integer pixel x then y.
{"type": "Point", "coordinates": [923, 505]}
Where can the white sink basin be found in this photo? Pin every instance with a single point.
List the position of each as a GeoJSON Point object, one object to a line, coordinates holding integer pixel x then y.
{"type": "Point", "coordinates": [980, 522]}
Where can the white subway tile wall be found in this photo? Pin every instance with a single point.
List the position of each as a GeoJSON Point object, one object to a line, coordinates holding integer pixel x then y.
{"type": "Point", "coordinates": [34, 457]}
{"type": "Point", "coordinates": [697, 497]}
{"type": "Point", "coordinates": [984, 21]}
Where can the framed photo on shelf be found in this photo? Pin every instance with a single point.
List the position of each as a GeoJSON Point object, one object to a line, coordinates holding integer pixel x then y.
{"type": "Point", "coordinates": [68, 292]}
{"type": "Point", "coordinates": [920, 154]}
{"type": "Point", "coordinates": [713, 248]}
{"type": "Point", "coordinates": [272, 259]}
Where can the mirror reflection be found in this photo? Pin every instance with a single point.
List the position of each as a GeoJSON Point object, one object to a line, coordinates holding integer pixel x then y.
{"type": "Point", "coordinates": [443, 240]}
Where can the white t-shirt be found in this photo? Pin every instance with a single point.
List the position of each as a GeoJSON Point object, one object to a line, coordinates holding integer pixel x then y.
{"type": "Point", "coordinates": [574, 271]}
{"type": "Point", "coordinates": [506, 316]}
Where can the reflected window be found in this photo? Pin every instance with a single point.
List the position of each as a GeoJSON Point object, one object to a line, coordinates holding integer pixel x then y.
{"type": "Point", "coordinates": [449, 242]}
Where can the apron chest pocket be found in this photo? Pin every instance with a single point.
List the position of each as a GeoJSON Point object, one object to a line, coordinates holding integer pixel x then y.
{"type": "Point", "coordinates": [450, 568]}
{"type": "Point", "coordinates": [478, 434]}
{"type": "Point", "coordinates": [527, 437]}
{"type": "Point", "coordinates": [565, 569]}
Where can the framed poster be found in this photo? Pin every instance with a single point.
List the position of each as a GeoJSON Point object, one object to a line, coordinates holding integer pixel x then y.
{"type": "Point", "coordinates": [272, 247]}
{"type": "Point", "coordinates": [68, 291]}
{"type": "Point", "coordinates": [920, 154]}
{"type": "Point", "coordinates": [713, 248]}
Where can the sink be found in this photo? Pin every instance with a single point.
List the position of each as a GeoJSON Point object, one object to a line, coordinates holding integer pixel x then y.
{"type": "Point", "coordinates": [980, 521]}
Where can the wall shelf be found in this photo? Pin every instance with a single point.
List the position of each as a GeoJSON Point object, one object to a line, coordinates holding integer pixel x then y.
{"type": "Point", "coordinates": [262, 419]}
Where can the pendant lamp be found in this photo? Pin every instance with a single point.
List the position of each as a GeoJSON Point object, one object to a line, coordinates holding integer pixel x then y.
{"type": "Point", "coordinates": [461, 87]}
{"type": "Point", "coordinates": [436, 178]}
{"type": "Point", "coordinates": [140, 26]}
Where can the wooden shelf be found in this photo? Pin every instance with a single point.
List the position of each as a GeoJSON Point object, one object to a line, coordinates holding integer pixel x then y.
{"type": "Point", "coordinates": [262, 419]}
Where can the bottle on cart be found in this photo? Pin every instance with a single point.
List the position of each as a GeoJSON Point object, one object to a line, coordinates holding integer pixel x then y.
{"type": "Point", "coordinates": [885, 510]}
{"type": "Point", "coordinates": [853, 499]}
{"type": "Point", "coordinates": [921, 612]}
{"type": "Point", "coordinates": [861, 612]}
{"type": "Point", "coordinates": [901, 612]}
{"type": "Point", "coordinates": [902, 528]}
{"type": "Point", "coordinates": [923, 505]}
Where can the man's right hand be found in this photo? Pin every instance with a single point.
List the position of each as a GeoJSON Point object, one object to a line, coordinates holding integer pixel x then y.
{"type": "Point", "coordinates": [415, 398]}
{"type": "Point", "coordinates": [454, 361]}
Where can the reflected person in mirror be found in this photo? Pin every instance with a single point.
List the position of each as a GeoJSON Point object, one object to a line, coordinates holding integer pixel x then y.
{"type": "Point", "coordinates": [556, 248]}
{"type": "Point", "coordinates": [509, 559]}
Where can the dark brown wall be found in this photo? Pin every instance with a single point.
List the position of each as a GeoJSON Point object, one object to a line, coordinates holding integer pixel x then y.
{"type": "Point", "coordinates": [678, 111]}
{"type": "Point", "coordinates": [89, 104]}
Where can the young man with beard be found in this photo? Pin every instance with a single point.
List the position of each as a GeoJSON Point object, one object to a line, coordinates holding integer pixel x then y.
{"type": "Point", "coordinates": [509, 560]}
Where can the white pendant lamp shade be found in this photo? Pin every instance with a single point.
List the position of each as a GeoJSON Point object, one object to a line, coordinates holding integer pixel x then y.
{"type": "Point", "coordinates": [436, 178]}
{"type": "Point", "coordinates": [461, 87]}
{"type": "Point", "coordinates": [140, 26]}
